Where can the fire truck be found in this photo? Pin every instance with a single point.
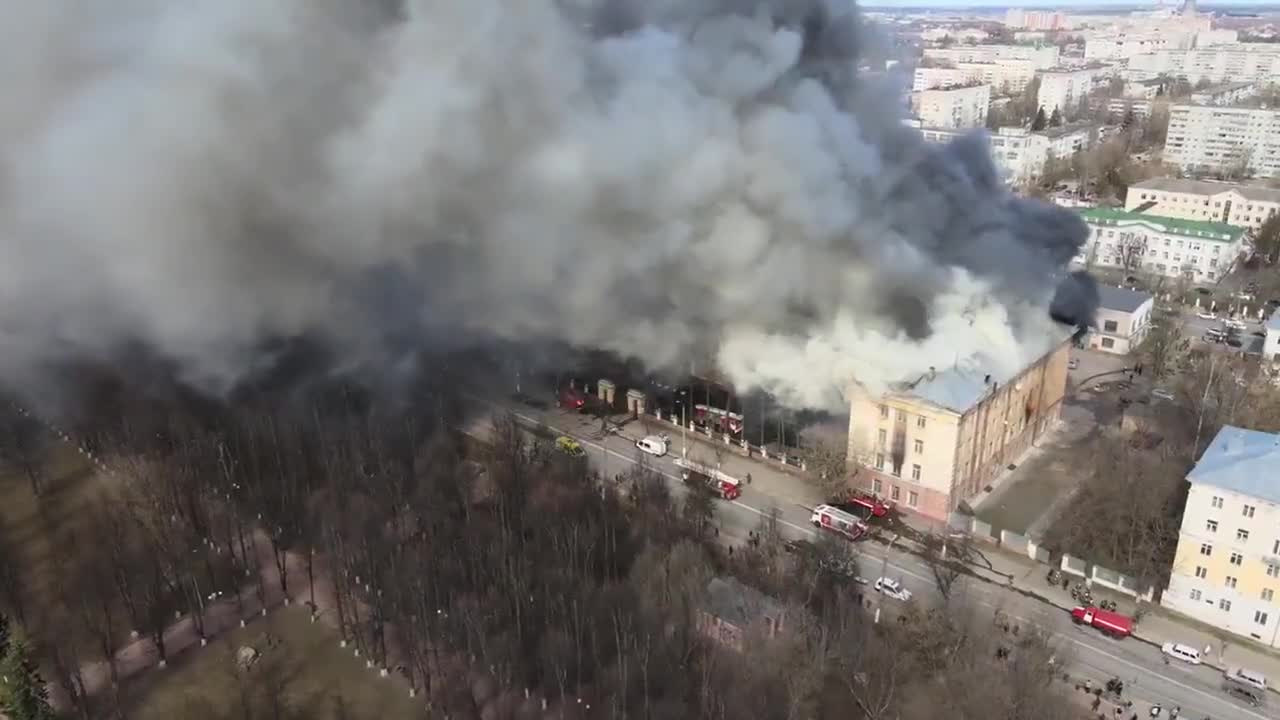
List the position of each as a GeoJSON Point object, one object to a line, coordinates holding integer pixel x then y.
{"type": "Point", "coordinates": [861, 503]}
{"type": "Point", "coordinates": [1110, 623]}
{"type": "Point", "coordinates": [718, 419]}
{"type": "Point", "coordinates": [570, 398]}
{"type": "Point", "coordinates": [838, 521]}
{"type": "Point", "coordinates": [726, 486]}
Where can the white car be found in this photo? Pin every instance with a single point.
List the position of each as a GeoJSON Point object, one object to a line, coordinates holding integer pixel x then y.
{"type": "Point", "coordinates": [1162, 394]}
{"type": "Point", "coordinates": [1206, 316]}
{"type": "Point", "coordinates": [1072, 364]}
{"type": "Point", "coordinates": [1178, 651]}
{"type": "Point", "coordinates": [893, 589]}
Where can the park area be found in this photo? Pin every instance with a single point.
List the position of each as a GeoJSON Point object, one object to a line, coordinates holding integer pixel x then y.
{"type": "Point", "coordinates": [282, 667]}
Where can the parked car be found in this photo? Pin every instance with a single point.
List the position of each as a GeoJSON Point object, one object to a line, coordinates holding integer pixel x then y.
{"type": "Point", "coordinates": [1072, 364]}
{"type": "Point", "coordinates": [1162, 394]}
{"type": "Point", "coordinates": [1206, 316]}
{"type": "Point", "coordinates": [893, 589]}
{"type": "Point", "coordinates": [1178, 651]}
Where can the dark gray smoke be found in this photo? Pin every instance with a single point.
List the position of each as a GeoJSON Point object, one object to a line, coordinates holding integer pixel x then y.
{"type": "Point", "coordinates": [654, 178]}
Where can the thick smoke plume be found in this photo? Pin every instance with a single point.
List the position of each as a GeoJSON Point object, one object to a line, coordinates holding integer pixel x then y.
{"type": "Point", "coordinates": [657, 178]}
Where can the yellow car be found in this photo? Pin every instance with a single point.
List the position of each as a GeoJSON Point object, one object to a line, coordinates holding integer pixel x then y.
{"type": "Point", "coordinates": [569, 446]}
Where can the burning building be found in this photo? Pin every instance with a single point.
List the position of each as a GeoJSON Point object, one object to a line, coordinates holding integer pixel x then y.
{"type": "Point", "coordinates": [930, 444]}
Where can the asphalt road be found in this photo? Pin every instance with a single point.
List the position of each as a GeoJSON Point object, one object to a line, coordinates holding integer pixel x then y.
{"type": "Point", "coordinates": [1148, 679]}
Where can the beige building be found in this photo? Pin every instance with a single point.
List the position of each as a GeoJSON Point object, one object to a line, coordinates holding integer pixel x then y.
{"type": "Point", "coordinates": [1233, 62]}
{"type": "Point", "coordinates": [955, 107]}
{"type": "Point", "coordinates": [1065, 90]}
{"type": "Point", "coordinates": [1005, 76]}
{"type": "Point", "coordinates": [931, 444]}
{"type": "Point", "coordinates": [1246, 206]}
{"type": "Point", "coordinates": [1209, 137]}
{"type": "Point", "coordinates": [1124, 317]}
{"type": "Point", "coordinates": [1042, 56]}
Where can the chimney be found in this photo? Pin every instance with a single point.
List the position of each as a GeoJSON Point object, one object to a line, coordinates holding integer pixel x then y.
{"type": "Point", "coordinates": [933, 373]}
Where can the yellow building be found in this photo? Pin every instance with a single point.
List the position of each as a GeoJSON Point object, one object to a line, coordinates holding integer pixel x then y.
{"type": "Point", "coordinates": [933, 443]}
{"type": "Point", "coordinates": [1227, 569]}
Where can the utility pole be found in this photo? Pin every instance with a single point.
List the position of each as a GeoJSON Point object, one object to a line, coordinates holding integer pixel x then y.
{"type": "Point", "coordinates": [1195, 449]}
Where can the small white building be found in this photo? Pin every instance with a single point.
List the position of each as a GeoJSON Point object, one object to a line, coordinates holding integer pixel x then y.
{"type": "Point", "coordinates": [1124, 317]}
{"type": "Point", "coordinates": [1271, 345]}
{"type": "Point", "coordinates": [1201, 252]}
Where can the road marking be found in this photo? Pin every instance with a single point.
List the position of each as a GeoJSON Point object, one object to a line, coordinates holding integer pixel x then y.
{"type": "Point", "coordinates": [897, 568]}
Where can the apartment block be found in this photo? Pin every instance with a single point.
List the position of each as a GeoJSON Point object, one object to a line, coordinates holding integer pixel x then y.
{"type": "Point", "coordinates": [1123, 45]}
{"type": "Point", "coordinates": [1225, 93]}
{"type": "Point", "coordinates": [1022, 154]}
{"type": "Point", "coordinates": [1042, 56]}
{"type": "Point", "coordinates": [1119, 107]}
{"type": "Point", "coordinates": [1233, 62]}
{"type": "Point", "coordinates": [1207, 138]}
{"type": "Point", "coordinates": [1006, 76]}
{"type": "Point", "coordinates": [1245, 206]}
{"type": "Point", "coordinates": [1198, 251]}
{"type": "Point", "coordinates": [1226, 571]}
{"type": "Point", "coordinates": [933, 443]}
{"type": "Point", "coordinates": [1035, 19]}
{"type": "Point", "coordinates": [956, 107]}
{"type": "Point", "coordinates": [1064, 90]}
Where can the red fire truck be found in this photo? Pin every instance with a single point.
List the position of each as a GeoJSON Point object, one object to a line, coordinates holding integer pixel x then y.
{"type": "Point", "coordinates": [718, 419]}
{"type": "Point", "coordinates": [726, 486]}
{"type": "Point", "coordinates": [1110, 623]}
{"type": "Point", "coordinates": [838, 521]}
{"type": "Point", "coordinates": [571, 398]}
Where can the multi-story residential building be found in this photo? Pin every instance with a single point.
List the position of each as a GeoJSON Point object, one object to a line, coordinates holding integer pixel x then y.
{"type": "Point", "coordinates": [958, 34]}
{"type": "Point", "coordinates": [1042, 56]}
{"type": "Point", "coordinates": [955, 107]}
{"type": "Point", "coordinates": [930, 444]}
{"type": "Point", "coordinates": [1226, 571]}
{"type": "Point", "coordinates": [1064, 90]}
{"type": "Point", "coordinates": [1207, 138]}
{"type": "Point", "coordinates": [1211, 38]}
{"type": "Point", "coordinates": [1225, 94]}
{"type": "Point", "coordinates": [1022, 154]}
{"type": "Point", "coordinates": [1006, 76]}
{"type": "Point", "coordinates": [1271, 343]}
{"type": "Point", "coordinates": [1125, 44]}
{"type": "Point", "coordinates": [1197, 251]}
{"type": "Point", "coordinates": [1246, 206]}
{"type": "Point", "coordinates": [1123, 319]}
{"type": "Point", "coordinates": [1119, 107]}
{"type": "Point", "coordinates": [1142, 89]}
{"type": "Point", "coordinates": [1234, 62]}
{"type": "Point", "coordinates": [1035, 19]}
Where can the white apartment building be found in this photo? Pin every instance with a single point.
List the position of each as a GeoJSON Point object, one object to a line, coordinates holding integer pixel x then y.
{"type": "Point", "coordinates": [1201, 252]}
{"type": "Point", "coordinates": [1210, 38]}
{"type": "Point", "coordinates": [1117, 107]}
{"type": "Point", "coordinates": [1042, 57]}
{"type": "Point", "coordinates": [1064, 89]}
{"type": "Point", "coordinates": [957, 107]}
{"type": "Point", "coordinates": [1225, 94]}
{"type": "Point", "coordinates": [1234, 62]}
{"type": "Point", "coordinates": [1125, 44]}
{"type": "Point", "coordinates": [1021, 154]}
{"type": "Point", "coordinates": [1271, 343]}
{"type": "Point", "coordinates": [1142, 89]}
{"type": "Point", "coordinates": [1226, 571]}
{"type": "Point", "coordinates": [1006, 76]}
{"type": "Point", "coordinates": [1205, 138]}
{"type": "Point", "coordinates": [1245, 206]}
{"type": "Point", "coordinates": [958, 34]}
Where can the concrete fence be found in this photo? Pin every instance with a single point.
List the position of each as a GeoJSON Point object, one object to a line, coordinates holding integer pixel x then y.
{"type": "Point", "coordinates": [741, 447]}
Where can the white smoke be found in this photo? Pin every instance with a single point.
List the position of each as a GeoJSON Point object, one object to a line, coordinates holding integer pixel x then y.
{"type": "Point", "coordinates": [657, 180]}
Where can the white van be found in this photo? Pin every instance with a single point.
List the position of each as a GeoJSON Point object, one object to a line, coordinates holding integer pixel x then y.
{"type": "Point", "coordinates": [653, 444]}
{"type": "Point", "coordinates": [1178, 651]}
{"type": "Point", "coordinates": [1248, 677]}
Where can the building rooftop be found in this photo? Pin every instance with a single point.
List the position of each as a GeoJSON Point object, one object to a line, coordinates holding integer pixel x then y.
{"type": "Point", "coordinates": [1242, 461]}
{"type": "Point", "coordinates": [1124, 300]}
{"type": "Point", "coordinates": [738, 604]}
{"type": "Point", "coordinates": [1066, 130]}
{"type": "Point", "coordinates": [1273, 322]}
{"type": "Point", "coordinates": [1209, 187]}
{"type": "Point", "coordinates": [1224, 87]}
{"type": "Point", "coordinates": [1189, 228]}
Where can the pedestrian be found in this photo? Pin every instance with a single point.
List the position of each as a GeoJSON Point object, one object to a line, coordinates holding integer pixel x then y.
{"type": "Point", "coordinates": [748, 478]}
{"type": "Point", "coordinates": [1065, 583]}
{"type": "Point", "coordinates": [1207, 650]}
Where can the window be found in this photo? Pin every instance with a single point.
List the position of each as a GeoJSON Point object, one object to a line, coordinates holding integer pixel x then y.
{"type": "Point", "coordinates": [882, 437]}
{"type": "Point", "coordinates": [1230, 582]}
{"type": "Point", "coordinates": [1242, 535]}
{"type": "Point", "coordinates": [1259, 617]}
{"type": "Point", "coordinates": [1224, 605]}
{"type": "Point", "coordinates": [876, 486]}
{"type": "Point", "coordinates": [1205, 548]}
{"type": "Point", "coordinates": [919, 446]}
{"type": "Point", "coordinates": [1110, 325]}
{"type": "Point", "coordinates": [895, 494]}
{"type": "Point", "coordinates": [1248, 511]}
{"type": "Point", "coordinates": [1201, 572]}
{"type": "Point", "coordinates": [915, 472]}
{"type": "Point", "coordinates": [1275, 547]}
{"type": "Point", "coordinates": [1108, 343]}
{"type": "Point", "coordinates": [884, 411]}
{"type": "Point", "coordinates": [1216, 501]}
{"type": "Point", "coordinates": [913, 499]}
{"type": "Point", "coordinates": [1211, 525]}
{"type": "Point", "coordinates": [1268, 594]}
{"type": "Point", "coordinates": [1194, 594]}
{"type": "Point", "coordinates": [879, 462]}
{"type": "Point", "coordinates": [1236, 558]}
{"type": "Point", "coordinates": [1273, 570]}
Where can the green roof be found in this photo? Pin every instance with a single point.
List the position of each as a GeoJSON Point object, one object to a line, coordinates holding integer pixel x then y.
{"type": "Point", "coordinates": [1176, 226]}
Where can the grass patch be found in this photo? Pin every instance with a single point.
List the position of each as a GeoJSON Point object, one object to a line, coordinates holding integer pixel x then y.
{"type": "Point", "coordinates": [303, 667]}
